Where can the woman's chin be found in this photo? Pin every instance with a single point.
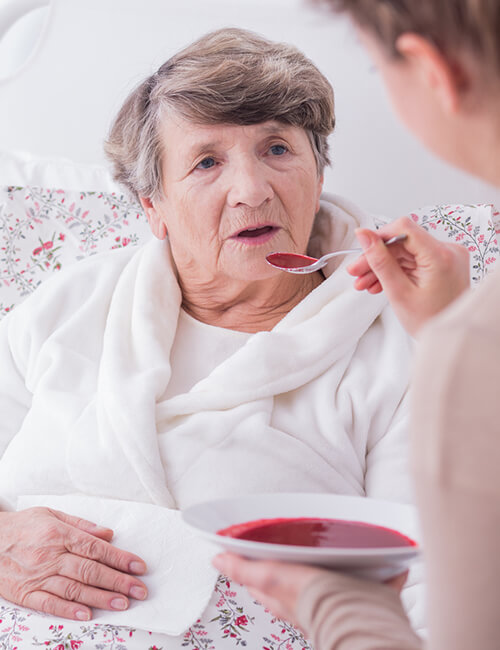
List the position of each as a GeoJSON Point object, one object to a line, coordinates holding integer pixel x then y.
{"type": "Point", "coordinates": [253, 271]}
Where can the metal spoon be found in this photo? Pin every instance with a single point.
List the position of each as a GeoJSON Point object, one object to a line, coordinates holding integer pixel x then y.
{"type": "Point", "coordinates": [295, 263]}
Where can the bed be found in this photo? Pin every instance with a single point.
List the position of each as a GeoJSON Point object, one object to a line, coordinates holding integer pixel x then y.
{"type": "Point", "coordinates": [58, 205]}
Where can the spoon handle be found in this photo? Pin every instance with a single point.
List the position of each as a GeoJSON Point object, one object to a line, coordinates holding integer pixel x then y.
{"type": "Point", "coordinates": [392, 240]}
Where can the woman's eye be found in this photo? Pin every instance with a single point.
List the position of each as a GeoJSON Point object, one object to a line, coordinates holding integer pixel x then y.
{"type": "Point", "coordinates": [206, 163]}
{"type": "Point", "coordinates": [278, 149]}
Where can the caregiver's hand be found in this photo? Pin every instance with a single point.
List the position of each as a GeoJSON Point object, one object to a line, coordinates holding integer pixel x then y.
{"type": "Point", "coordinates": [63, 565]}
{"type": "Point", "coordinates": [278, 585]}
{"type": "Point", "coordinates": [420, 275]}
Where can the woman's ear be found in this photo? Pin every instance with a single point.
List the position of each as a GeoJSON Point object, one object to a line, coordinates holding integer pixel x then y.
{"type": "Point", "coordinates": [444, 78]}
{"type": "Point", "coordinates": [155, 220]}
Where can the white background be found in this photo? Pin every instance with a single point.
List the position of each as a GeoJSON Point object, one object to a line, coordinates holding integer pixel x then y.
{"type": "Point", "coordinates": [83, 56]}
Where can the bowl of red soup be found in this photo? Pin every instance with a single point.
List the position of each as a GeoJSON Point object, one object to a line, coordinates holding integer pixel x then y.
{"type": "Point", "coordinates": [369, 537]}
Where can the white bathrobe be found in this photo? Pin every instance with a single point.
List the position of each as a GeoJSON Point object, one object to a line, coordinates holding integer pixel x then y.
{"type": "Point", "coordinates": [315, 405]}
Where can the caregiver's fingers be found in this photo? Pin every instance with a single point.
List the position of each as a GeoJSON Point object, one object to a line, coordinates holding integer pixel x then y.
{"type": "Point", "coordinates": [367, 281]}
{"type": "Point", "coordinates": [398, 582]}
{"type": "Point", "coordinates": [418, 290]}
{"type": "Point", "coordinates": [274, 581]}
{"type": "Point", "coordinates": [275, 606]}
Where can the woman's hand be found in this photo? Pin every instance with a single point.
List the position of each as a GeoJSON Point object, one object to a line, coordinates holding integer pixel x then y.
{"type": "Point", "coordinates": [63, 565]}
{"type": "Point", "coordinates": [278, 585]}
{"type": "Point", "coordinates": [420, 275]}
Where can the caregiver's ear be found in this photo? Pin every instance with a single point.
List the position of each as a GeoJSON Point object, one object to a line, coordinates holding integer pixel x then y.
{"type": "Point", "coordinates": [445, 78]}
{"type": "Point", "coordinates": [153, 215]}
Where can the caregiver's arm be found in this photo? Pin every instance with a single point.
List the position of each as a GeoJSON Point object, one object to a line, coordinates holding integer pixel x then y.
{"type": "Point", "coordinates": [456, 459]}
{"type": "Point", "coordinates": [63, 565]}
{"type": "Point", "coordinates": [420, 276]}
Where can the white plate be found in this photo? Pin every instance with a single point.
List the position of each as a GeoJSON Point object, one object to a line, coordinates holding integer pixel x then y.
{"type": "Point", "coordinates": [376, 563]}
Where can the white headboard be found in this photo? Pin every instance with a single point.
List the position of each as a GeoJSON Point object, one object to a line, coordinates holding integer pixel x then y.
{"type": "Point", "coordinates": [90, 53]}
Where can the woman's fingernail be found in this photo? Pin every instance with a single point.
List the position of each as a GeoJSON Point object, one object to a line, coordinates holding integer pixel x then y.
{"type": "Point", "coordinates": [138, 592]}
{"type": "Point", "coordinates": [82, 615]}
{"type": "Point", "coordinates": [119, 603]}
{"type": "Point", "coordinates": [137, 567]}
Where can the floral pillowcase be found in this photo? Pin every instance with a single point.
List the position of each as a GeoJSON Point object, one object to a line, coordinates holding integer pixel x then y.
{"type": "Point", "coordinates": [44, 230]}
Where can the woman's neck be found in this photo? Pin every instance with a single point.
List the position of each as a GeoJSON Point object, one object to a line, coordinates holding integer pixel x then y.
{"type": "Point", "coordinates": [253, 307]}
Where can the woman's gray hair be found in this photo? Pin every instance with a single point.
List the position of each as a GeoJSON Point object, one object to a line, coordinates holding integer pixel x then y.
{"type": "Point", "coordinates": [230, 76]}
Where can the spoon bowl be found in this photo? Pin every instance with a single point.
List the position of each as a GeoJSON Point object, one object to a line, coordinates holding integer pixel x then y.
{"type": "Point", "coordinates": [296, 263]}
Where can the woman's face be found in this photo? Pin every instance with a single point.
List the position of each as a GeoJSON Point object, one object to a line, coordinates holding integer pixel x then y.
{"type": "Point", "coordinates": [233, 194]}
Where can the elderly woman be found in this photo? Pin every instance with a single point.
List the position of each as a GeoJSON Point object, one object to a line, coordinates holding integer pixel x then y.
{"type": "Point", "coordinates": [191, 369]}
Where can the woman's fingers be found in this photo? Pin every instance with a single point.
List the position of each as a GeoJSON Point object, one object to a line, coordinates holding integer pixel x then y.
{"type": "Point", "coordinates": [49, 559]}
{"type": "Point", "coordinates": [83, 524]}
{"type": "Point", "coordinates": [74, 591]}
{"type": "Point", "coordinates": [89, 572]}
{"type": "Point", "coordinates": [42, 601]}
{"type": "Point", "coordinates": [88, 546]}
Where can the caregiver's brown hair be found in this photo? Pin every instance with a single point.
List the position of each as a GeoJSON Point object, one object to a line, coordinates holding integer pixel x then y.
{"type": "Point", "coordinates": [228, 76]}
{"type": "Point", "coordinates": [452, 25]}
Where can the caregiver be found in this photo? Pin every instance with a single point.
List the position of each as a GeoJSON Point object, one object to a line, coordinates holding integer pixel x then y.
{"type": "Point", "coordinates": [441, 64]}
{"type": "Point", "coordinates": [190, 369]}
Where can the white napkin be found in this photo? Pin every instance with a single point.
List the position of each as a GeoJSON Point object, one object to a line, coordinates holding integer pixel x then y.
{"type": "Point", "coordinates": [180, 578]}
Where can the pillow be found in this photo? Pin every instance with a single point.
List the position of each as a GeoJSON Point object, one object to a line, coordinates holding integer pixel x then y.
{"type": "Point", "coordinates": [53, 213]}
{"type": "Point", "coordinates": [474, 226]}
{"type": "Point", "coordinates": [21, 169]}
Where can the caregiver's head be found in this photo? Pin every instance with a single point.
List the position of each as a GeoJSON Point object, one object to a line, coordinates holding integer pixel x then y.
{"type": "Point", "coordinates": [225, 147]}
{"type": "Point", "coordinates": [440, 60]}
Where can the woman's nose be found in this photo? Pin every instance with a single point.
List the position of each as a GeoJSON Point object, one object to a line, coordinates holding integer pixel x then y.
{"type": "Point", "coordinates": [249, 186]}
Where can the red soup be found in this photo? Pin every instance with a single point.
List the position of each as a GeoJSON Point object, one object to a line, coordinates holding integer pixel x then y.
{"type": "Point", "coordinates": [333, 533]}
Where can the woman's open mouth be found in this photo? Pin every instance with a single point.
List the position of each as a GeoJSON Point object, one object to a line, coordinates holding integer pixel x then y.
{"type": "Point", "coordinates": [256, 234]}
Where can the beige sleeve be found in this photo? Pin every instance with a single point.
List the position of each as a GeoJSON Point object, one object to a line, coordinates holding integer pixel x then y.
{"type": "Point", "coordinates": [340, 612]}
{"type": "Point", "coordinates": [456, 461]}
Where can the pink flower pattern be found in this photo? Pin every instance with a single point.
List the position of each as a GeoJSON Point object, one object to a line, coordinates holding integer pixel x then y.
{"type": "Point", "coordinates": [232, 620]}
{"type": "Point", "coordinates": [43, 230]}
{"type": "Point", "coordinates": [472, 226]}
